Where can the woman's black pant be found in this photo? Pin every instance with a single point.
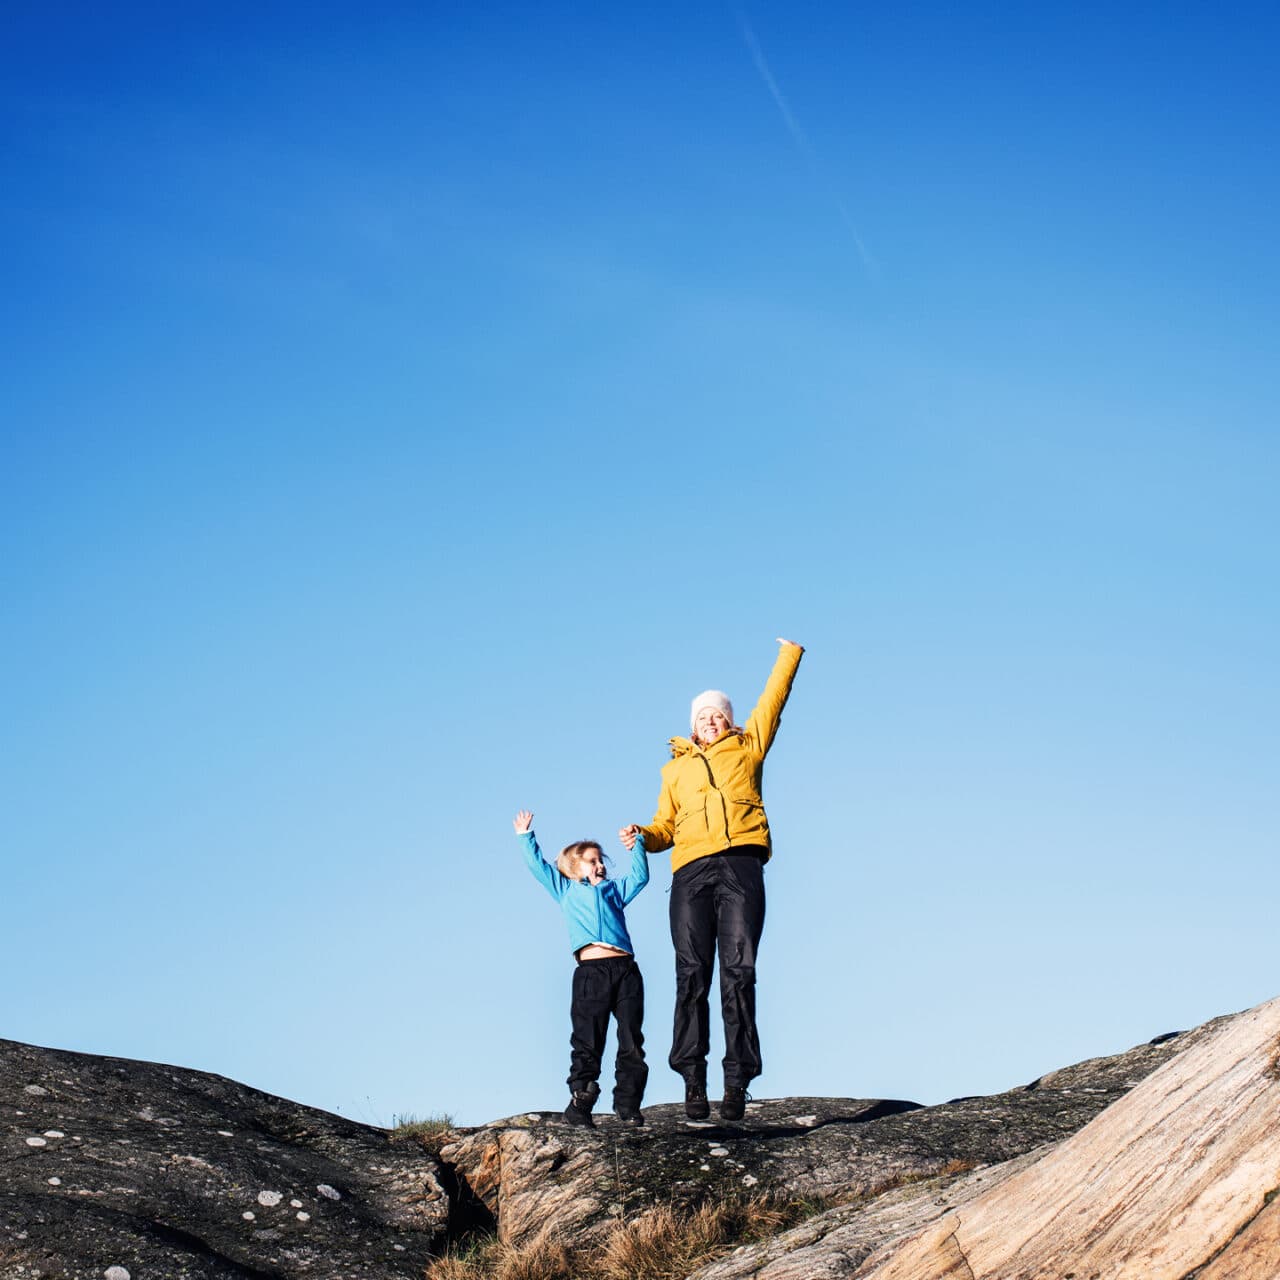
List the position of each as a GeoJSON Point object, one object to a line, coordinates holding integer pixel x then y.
{"type": "Point", "coordinates": [612, 985]}
{"type": "Point", "coordinates": [717, 905]}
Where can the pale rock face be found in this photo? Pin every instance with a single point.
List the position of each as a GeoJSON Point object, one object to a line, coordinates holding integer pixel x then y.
{"type": "Point", "coordinates": [1172, 1179]}
{"type": "Point", "coordinates": [1153, 1189]}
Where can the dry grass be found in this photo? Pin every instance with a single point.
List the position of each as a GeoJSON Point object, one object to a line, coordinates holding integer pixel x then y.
{"type": "Point", "coordinates": [541, 1259]}
{"type": "Point", "coordinates": [663, 1244]}
{"type": "Point", "coordinates": [430, 1133]}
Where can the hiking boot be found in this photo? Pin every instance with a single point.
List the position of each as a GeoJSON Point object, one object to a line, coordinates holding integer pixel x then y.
{"type": "Point", "coordinates": [733, 1106]}
{"type": "Point", "coordinates": [628, 1113]}
{"type": "Point", "coordinates": [581, 1101]}
{"type": "Point", "coordinates": [696, 1106]}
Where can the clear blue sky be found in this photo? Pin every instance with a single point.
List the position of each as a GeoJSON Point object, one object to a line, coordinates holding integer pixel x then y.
{"type": "Point", "coordinates": [406, 409]}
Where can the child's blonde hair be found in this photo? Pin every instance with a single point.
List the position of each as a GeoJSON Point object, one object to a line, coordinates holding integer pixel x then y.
{"type": "Point", "coordinates": [569, 860]}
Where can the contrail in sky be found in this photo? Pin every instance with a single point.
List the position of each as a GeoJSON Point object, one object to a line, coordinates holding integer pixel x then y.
{"type": "Point", "coordinates": [799, 136]}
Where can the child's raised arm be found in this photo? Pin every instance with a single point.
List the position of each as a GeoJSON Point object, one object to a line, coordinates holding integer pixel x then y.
{"type": "Point", "coordinates": [544, 872]}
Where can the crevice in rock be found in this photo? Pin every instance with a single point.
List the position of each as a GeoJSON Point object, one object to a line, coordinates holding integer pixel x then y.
{"type": "Point", "coordinates": [1200, 1268]}
{"type": "Point", "coordinates": [954, 1239]}
{"type": "Point", "coordinates": [469, 1216]}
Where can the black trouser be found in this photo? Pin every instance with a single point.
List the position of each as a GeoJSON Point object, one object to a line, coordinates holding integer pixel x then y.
{"type": "Point", "coordinates": [717, 903]}
{"type": "Point", "coordinates": [602, 987]}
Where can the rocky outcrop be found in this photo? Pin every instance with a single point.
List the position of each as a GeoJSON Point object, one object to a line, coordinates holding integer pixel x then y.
{"type": "Point", "coordinates": [1177, 1179]}
{"type": "Point", "coordinates": [533, 1170]}
{"type": "Point", "coordinates": [113, 1167]}
{"type": "Point", "coordinates": [1162, 1163]}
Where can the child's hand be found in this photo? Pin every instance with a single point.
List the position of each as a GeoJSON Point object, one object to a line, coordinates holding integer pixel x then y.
{"type": "Point", "coordinates": [522, 821]}
{"type": "Point", "coordinates": [628, 835]}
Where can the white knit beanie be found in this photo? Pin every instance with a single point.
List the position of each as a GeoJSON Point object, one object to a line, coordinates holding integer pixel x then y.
{"type": "Point", "coordinates": [711, 698]}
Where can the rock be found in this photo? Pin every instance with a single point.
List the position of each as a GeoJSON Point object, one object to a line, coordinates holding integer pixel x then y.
{"type": "Point", "coordinates": [1181, 1174]}
{"type": "Point", "coordinates": [532, 1171]}
{"type": "Point", "coordinates": [1136, 1165]}
{"type": "Point", "coordinates": [1174, 1179]}
{"type": "Point", "coordinates": [114, 1167]}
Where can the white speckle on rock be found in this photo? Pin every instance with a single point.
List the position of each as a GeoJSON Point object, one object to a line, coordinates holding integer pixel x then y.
{"type": "Point", "coordinates": [225, 1133]}
{"type": "Point", "coordinates": [54, 1133]}
{"type": "Point", "coordinates": [328, 1192]}
{"type": "Point", "coordinates": [296, 1204]}
{"type": "Point", "coordinates": [269, 1198]}
{"type": "Point", "coordinates": [116, 1273]}
{"type": "Point", "coordinates": [807, 1121]}
{"type": "Point", "coordinates": [706, 1168]}
{"type": "Point", "coordinates": [749, 1180]}
{"type": "Point", "coordinates": [36, 1142]}
{"type": "Point", "coordinates": [718, 1150]}
{"type": "Point", "coordinates": [55, 1182]}
{"type": "Point", "coordinates": [248, 1215]}
{"type": "Point", "coordinates": [36, 1091]}
{"type": "Point", "coordinates": [399, 1248]}
{"type": "Point", "coordinates": [303, 1217]}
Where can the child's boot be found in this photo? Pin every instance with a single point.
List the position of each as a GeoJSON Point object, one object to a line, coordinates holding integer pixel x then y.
{"type": "Point", "coordinates": [581, 1102]}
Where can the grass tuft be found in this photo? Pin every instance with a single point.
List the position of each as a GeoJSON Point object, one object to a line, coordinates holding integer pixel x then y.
{"type": "Point", "coordinates": [491, 1259]}
{"type": "Point", "coordinates": [430, 1133]}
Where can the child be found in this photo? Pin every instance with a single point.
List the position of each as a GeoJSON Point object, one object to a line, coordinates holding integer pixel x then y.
{"type": "Point", "coordinates": [607, 979]}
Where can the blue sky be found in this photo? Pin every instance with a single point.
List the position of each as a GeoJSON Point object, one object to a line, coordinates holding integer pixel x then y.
{"type": "Point", "coordinates": [407, 411]}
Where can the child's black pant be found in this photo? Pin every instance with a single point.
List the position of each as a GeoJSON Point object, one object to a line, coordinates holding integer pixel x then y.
{"type": "Point", "coordinates": [602, 987]}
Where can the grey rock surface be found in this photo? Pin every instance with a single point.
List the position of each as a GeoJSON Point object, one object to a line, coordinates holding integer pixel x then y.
{"type": "Point", "coordinates": [159, 1171]}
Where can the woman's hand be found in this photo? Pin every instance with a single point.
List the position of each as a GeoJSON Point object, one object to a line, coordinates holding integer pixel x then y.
{"type": "Point", "coordinates": [522, 821]}
{"type": "Point", "coordinates": [628, 835]}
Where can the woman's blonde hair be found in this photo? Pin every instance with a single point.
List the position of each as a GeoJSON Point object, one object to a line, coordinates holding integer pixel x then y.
{"type": "Point", "coordinates": [569, 860]}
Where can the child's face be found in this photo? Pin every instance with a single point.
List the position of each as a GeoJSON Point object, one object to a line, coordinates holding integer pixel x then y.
{"type": "Point", "coordinates": [591, 865]}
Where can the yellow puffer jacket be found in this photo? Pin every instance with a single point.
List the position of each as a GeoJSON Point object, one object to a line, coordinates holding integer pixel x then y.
{"type": "Point", "coordinates": [710, 800]}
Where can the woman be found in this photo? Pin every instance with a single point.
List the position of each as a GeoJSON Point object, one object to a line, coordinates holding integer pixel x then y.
{"type": "Point", "coordinates": [711, 816]}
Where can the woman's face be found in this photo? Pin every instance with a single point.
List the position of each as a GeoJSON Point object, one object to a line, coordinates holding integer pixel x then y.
{"type": "Point", "coordinates": [709, 725]}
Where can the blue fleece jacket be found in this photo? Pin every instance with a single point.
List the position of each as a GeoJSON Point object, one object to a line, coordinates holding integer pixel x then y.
{"type": "Point", "coordinates": [593, 912]}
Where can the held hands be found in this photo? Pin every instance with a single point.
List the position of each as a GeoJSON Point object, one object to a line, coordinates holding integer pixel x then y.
{"type": "Point", "coordinates": [628, 835]}
{"type": "Point", "coordinates": [523, 821]}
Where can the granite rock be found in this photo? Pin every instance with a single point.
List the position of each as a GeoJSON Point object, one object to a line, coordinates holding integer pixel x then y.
{"type": "Point", "coordinates": [160, 1171]}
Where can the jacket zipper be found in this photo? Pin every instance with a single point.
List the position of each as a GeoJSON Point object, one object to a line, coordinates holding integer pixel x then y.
{"type": "Point", "coordinates": [724, 808]}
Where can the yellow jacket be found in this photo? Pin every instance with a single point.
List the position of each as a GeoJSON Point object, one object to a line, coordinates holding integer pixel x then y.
{"type": "Point", "coordinates": [710, 800]}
